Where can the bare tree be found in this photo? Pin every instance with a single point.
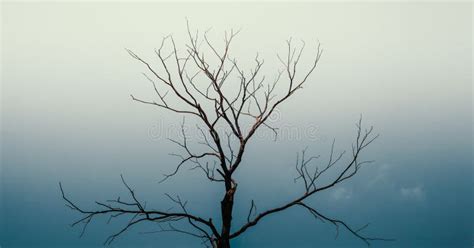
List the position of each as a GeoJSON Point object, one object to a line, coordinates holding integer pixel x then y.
{"type": "Point", "coordinates": [198, 89]}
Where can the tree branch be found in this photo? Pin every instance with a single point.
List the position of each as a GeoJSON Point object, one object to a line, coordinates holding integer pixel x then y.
{"type": "Point", "coordinates": [135, 209]}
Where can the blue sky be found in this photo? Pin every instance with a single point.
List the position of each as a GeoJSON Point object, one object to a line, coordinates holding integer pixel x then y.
{"type": "Point", "coordinates": [67, 116]}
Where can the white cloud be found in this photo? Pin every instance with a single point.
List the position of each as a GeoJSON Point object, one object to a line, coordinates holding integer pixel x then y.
{"type": "Point", "coordinates": [341, 194]}
{"type": "Point", "coordinates": [417, 192]}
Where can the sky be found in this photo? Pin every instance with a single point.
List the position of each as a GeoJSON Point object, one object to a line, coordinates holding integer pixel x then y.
{"type": "Point", "coordinates": [67, 116]}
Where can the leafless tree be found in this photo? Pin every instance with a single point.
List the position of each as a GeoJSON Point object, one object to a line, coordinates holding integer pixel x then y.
{"type": "Point", "coordinates": [199, 87]}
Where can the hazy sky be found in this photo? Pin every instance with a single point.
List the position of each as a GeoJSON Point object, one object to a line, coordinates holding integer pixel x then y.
{"type": "Point", "coordinates": [67, 116]}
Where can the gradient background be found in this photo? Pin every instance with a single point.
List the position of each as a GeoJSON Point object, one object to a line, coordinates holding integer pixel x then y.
{"type": "Point", "coordinates": [67, 116]}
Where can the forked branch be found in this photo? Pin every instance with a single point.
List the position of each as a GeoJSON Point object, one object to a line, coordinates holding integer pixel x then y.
{"type": "Point", "coordinates": [363, 139]}
{"type": "Point", "coordinates": [137, 213]}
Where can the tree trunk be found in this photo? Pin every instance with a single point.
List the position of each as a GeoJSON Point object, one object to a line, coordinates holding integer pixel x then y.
{"type": "Point", "coordinates": [227, 205]}
{"type": "Point", "coordinates": [223, 243]}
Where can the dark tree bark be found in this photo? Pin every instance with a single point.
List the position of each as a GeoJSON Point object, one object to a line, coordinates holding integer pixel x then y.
{"type": "Point", "coordinates": [212, 105]}
{"type": "Point", "coordinates": [227, 205]}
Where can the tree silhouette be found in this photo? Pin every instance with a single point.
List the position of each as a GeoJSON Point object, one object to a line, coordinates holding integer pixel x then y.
{"type": "Point", "coordinates": [199, 87]}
